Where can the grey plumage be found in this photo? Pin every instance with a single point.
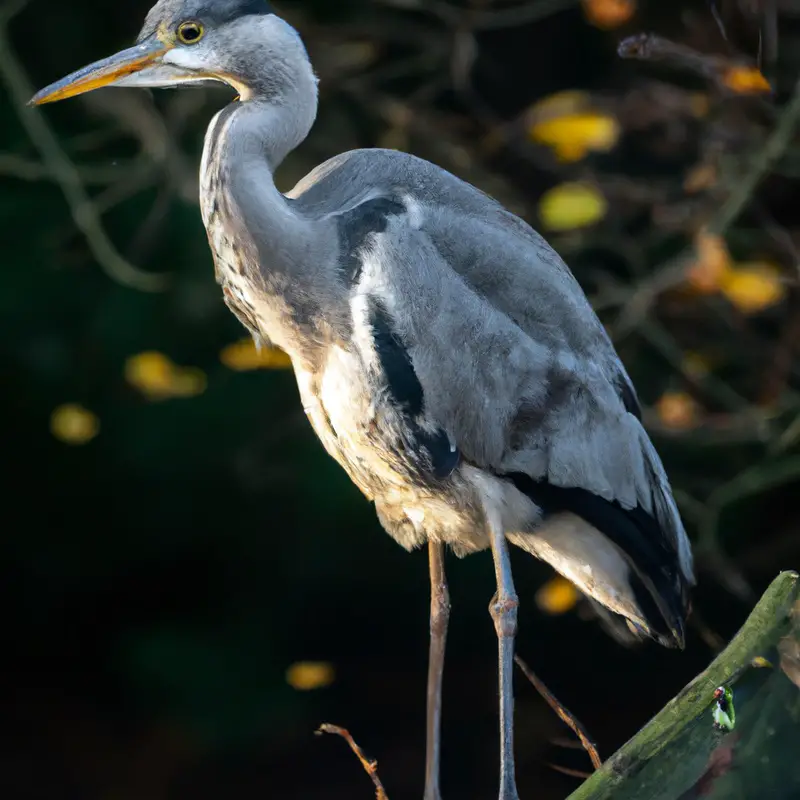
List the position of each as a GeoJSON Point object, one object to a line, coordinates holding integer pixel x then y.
{"type": "Point", "coordinates": [444, 353]}
{"type": "Point", "coordinates": [513, 363]}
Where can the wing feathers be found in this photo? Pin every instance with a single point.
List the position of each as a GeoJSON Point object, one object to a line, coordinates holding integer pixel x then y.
{"type": "Point", "coordinates": [653, 577]}
{"type": "Point", "coordinates": [507, 356]}
{"type": "Point", "coordinates": [427, 446]}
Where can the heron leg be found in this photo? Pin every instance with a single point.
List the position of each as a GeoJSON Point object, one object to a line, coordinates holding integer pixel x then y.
{"type": "Point", "coordinates": [503, 609]}
{"type": "Point", "coordinates": [440, 614]}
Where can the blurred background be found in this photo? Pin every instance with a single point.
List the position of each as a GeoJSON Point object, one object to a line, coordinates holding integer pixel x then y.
{"type": "Point", "coordinates": [190, 586]}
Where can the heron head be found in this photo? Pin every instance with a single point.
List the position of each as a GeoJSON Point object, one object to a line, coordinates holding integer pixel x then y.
{"type": "Point", "coordinates": [238, 42]}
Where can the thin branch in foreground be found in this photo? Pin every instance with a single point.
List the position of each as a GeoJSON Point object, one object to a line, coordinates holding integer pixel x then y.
{"type": "Point", "coordinates": [370, 765]}
{"type": "Point", "coordinates": [565, 715]}
{"type": "Point", "coordinates": [573, 773]}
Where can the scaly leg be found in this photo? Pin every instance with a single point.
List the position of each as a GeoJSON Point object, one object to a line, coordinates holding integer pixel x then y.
{"type": "Point", "coordinates": [503, 609]}
{"type": "Point", "coordinates": [440, 613]}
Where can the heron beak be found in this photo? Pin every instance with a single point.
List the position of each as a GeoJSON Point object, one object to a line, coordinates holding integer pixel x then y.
{"type": "Point", "coordinates": [111, 71]}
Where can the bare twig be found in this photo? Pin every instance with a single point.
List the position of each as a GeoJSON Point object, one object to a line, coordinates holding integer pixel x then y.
{"type": "Point", "coordinates": [765, 159]}
{"type": "Point", "coordinates": [649, 47]}
{"type": "Point", "coordinates": [671, 274]}
{"type": "Point", "coordinates": [661, 339]}
{"type": "Point", "coordinates": [778, 370]}
{"type": "Point", "coordinates": [134, 113]}
{"type": "Point", "coordinates": [573, 773]}
{"type": "Point", "coordinates": [787, 438]}
{"type": "Point", "coordinates": [28, 169]}
{"type": "Point", "coordinates": [718, 20]}
{"type": "Point", "coordinates": [758, 478]}
{"type": "Point", "coordinates": [66, 175]}
{"type": "Point", "coordinates": [564, 714]}
{"type": "Point", "coordinates": [370, 766]}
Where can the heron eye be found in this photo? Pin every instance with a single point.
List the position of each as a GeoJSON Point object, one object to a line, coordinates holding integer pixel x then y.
{"type": "Point", "coordinates": [190, 32]}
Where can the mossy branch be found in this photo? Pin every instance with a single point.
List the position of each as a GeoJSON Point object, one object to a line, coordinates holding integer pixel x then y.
{"type": "Point", "coordinates": [769, 621]}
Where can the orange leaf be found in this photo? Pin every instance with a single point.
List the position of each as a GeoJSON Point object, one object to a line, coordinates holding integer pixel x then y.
{"type": "Point", "coordinates": [702, 176]}
{"type": "Point", "coordinates": [608, 14]}
{"type": "Point", "coordinates": [745, 80]}
{"type": "Point", "coordinates": [707, 272]}
{"type": "Point", "coordinates": [557, 596]}
{"type": "Point", "coordinates": [677, 410]}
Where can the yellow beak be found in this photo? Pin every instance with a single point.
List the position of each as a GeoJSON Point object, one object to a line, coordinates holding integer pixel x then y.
{"type": "Point", "coordinates": [107, 72]}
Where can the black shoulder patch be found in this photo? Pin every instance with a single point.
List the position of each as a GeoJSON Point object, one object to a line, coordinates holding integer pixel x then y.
{"type": "Point", "coordinates": [404, 386]}
{"type": "Point", "coordinates": [357, 224]}
{"type": "Point", "coordinates": [637, 534]}
{"type": "Point", "coordinates": [432, 451]}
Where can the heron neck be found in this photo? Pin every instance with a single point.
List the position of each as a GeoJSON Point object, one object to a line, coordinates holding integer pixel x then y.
{"type": "Point", "coordinates": [281, 253]}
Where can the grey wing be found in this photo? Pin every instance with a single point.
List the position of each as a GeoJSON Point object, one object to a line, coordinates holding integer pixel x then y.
{"type": "Point", "coordinates": [518, 371]}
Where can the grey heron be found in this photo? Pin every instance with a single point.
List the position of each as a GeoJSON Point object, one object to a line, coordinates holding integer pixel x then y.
{"type": "Point", "coordinates": [445, 355]}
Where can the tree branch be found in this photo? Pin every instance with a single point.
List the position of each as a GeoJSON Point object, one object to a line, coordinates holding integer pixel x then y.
{"type": "Point", "coordinates": [370, 766]}
{"type": "Point", "coordinates": [64, 172]}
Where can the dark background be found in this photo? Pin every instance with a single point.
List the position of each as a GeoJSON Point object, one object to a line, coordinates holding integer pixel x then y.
{"type": "Point", "coordinates": [158, 580]}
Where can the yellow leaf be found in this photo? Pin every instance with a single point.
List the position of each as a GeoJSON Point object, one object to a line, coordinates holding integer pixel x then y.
{"type": "Point", "coordinates": [559, 104]}
{"type": "Point", "coordinates": [572, 136]}
{"type": "Point", "coordinates": [677, 410]}
{"type": "Point", "coordinates": [759, 662]}
{"type": "Point", "coordinates": [706, 273]}
{"type": "Point", "coordinates": [608, 14]}
{"type": "Point", "coordinates": [753, 287]}
{"type": "Point", "coordinates": [158, 378]}
{"type": "Point", "coordinates": [243, 356]}
{"type": "Point", "coordinates": [150, 372]}
{"type": "Point", "coordinates": [74, 424]}
{"type": "Point", "coordinates": [306, 675]}
{"type": "Point", "coordinates": [745, 80]}
{"type": "Point", "coordinates": [571, 205]}
{"type": "Point", "coordinates": [557, 596]}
